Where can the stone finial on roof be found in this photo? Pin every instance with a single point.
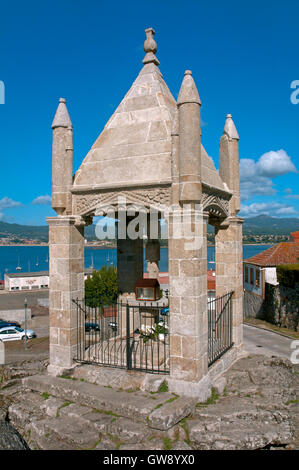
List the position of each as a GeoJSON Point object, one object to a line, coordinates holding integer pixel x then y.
{"type": "Point", "coordinates": [230, 128]}
{"type": "Point", "coordinates": [62, 117]}
{"type": "Point", "coordinates": [188, 92]}
{"type": "Point", "coordinates": [150, 47]}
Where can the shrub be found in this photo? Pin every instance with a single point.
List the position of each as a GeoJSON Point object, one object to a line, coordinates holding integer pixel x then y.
{"type": "Point", "coordinates": [101, 287]}
{"type": "Point", "coordinates": [288, 274]}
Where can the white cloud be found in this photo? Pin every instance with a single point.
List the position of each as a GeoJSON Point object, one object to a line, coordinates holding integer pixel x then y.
{"type": "Point", "coordinates": [269, 208]}
{"type": "Point", "coordinates": [277, 163]}
{"type": "Point", "coordinates": [255, 177]}
{"type": "Point", "coordinates": [292, 196]}
{"type": "Point", "coordinates": [7, 203]}
{"type": "Point", "coordinates": [42, 200]}
{"type": "Point", "coordinates": [287, 211]}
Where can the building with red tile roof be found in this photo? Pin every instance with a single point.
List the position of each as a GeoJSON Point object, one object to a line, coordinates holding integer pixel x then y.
{"type": "Point", "coordinates": [282, 253]}
{"type": "Point", "coordinates": [294, 236]}
{"type": "Point", "coordinates": [261, 268]}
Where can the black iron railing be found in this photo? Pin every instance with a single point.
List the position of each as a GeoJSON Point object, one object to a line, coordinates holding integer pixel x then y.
{"type": "Point", "coordinates": [219, 327]}
{"type": "Point", "coordinates": [132, 336]}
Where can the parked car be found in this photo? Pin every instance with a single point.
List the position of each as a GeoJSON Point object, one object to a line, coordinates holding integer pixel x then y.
{"type": "Point", "coordinates": [91, 327]}
{"type": "Point", "coordinates": [13, 333]}
{"type": "Point", "coordinates": [113, 325]}
{"type": "Point", "coordinates": [4, 323]}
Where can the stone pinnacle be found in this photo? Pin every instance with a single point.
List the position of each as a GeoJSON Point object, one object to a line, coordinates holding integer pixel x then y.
{"type": "Point", "coordinates": [150, 48]}
{"type": "Point", "coordinates": [230, 128]}
{"type": "Point", "coordinates": [188, 92]}
{"type": "Point", "coordinates": [62, 117]}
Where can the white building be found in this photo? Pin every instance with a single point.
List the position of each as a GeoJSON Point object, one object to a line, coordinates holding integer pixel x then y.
{"type": "Point", "coordinates": [31, 281]}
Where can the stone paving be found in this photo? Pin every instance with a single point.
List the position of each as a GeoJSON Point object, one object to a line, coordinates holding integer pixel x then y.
{"type": "Point", "coordinates": [256, 407]}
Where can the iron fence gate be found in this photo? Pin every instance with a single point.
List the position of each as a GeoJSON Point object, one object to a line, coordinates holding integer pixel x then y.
{"type": "Point", "coordinates": [219, 327]}
{"type": "Point", "coordinates": [123, 335]}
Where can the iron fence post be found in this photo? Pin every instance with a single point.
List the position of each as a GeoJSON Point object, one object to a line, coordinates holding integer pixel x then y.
{"type": "Point", "coordinates": [128, 346]}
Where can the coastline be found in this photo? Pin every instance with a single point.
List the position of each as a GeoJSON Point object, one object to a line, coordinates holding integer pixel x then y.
{"type": "Point", "coordinates": [103, 247]}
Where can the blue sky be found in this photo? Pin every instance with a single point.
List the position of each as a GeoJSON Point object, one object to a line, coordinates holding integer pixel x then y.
{"type": "Point", "coordinates": [243, 55]}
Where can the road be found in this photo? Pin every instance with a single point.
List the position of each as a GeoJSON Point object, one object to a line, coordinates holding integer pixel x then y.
{"type": "Point", "coordinates": [15, 300]}
{"type": "Point", "coordinates": [256, 340]}
{"type": "Point", "coordinates": [259, 341]}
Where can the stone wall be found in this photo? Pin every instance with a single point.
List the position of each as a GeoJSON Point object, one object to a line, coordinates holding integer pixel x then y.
{"type": "Point", "coordinates": [15, 315]}
{"type": "Point", "coordinates": [281, 306]}
{"type": "Point", "coordinates": [253, 305]}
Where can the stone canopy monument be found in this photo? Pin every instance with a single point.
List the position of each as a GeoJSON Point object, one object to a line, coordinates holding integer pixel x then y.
{"type": "Point", "coordinates": [150, 154]}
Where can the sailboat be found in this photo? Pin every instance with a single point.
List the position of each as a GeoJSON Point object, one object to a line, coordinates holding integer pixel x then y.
{"type": "Point", "coordinates": [18, 268]}
{"type": "Point", "coordinates": [36, 262]}
{"type": "Point", "coordinates": [91, 266]}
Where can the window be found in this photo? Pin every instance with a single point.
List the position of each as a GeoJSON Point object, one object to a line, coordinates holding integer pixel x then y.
{"type": "Point", "coordinates": [246, 274]}
{"type": "Point", "coordinates": [251, 275]}
{"type": "Point", "coordinates": [257, 278]}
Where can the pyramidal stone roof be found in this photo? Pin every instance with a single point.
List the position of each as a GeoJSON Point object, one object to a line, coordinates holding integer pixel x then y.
{"type": "Point", "coordinates": [134, 147]}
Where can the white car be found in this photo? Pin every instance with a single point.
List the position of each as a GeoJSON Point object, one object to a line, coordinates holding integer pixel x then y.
{"type": "Point", "coordinates": [12, 333]}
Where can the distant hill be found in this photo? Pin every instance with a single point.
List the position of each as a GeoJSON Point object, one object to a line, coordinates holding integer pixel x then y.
{"type": "Point", "coordinates": [265, 224]}
{"type": "Point", "coordinates": [32, 232]}
{"type": "Point", "coordinates": [262, 224]}
{"type": "Point", "coordinates": [20, 232]}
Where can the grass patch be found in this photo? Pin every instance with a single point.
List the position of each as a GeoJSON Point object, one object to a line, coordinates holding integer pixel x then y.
{"type": "Point", "coordinates": [167, 443]}
{"type": "Point", "coordinates": [292, 402]}
{"type": "Point", "coordinates": [67, 403]}
{"type": "Point", "coordinates": [268, 326]}
{"type": "Point", "coordinates": [175, 397]}
{"type": "Point", "coordinates": [115, 440]}
{"type": "Point", "coordinates": [69, 377]}
{"type": "Point", "coordinates": [45, 395]}
{"type": "Point", "coordinates": [184, 425]}
{"type": "Point", "coordinates": [210, 401]}
{"type": "Point", "coordinates": [95, 444]}
{"type": "Point", "coordinates": [159, 406]}
{"type": "Point", "coordinates": [163, 387]}
{"type": "Point", "coordinates": [110, 413]}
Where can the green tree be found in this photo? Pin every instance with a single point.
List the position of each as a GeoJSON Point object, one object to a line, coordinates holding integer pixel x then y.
{"type": "Point", "coordinates": [101, 287]}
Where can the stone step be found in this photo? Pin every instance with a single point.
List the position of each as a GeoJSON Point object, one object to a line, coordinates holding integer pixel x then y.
{"type": "Point", "coordinates": [21, 411]}
{"type": "Point", "coordinates": [139, 406]}
{"type": "Point", "coordinates": [63, 432]}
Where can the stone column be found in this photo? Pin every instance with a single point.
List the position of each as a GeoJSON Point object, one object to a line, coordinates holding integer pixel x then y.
{"type": "Point", "coordinates": [188, 302]}
{"type": "Point", "coordinates": [228, 235]}
{"type": "Point", "coordinates": [152, 255]}
{"type": "Point", "coordinates": [62, 160]}
{"type": "Point", "coordinates": [229, 163]}
{"type": "Point", "coordinates": [129, 264]}
{"type": "Point", "coordinates": [152, 248]}
{"type": "Point", "coordinates": [229, 270]}
{"type": "Point", "coordinates": [66, 249]}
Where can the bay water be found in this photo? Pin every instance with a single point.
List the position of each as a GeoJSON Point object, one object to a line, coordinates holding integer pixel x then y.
{"type": "Point", "coordinates": [36, 258]}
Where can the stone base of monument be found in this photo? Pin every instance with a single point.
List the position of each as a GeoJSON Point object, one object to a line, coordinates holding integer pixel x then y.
{"type": "Point", "coordinates": [256, 407]}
